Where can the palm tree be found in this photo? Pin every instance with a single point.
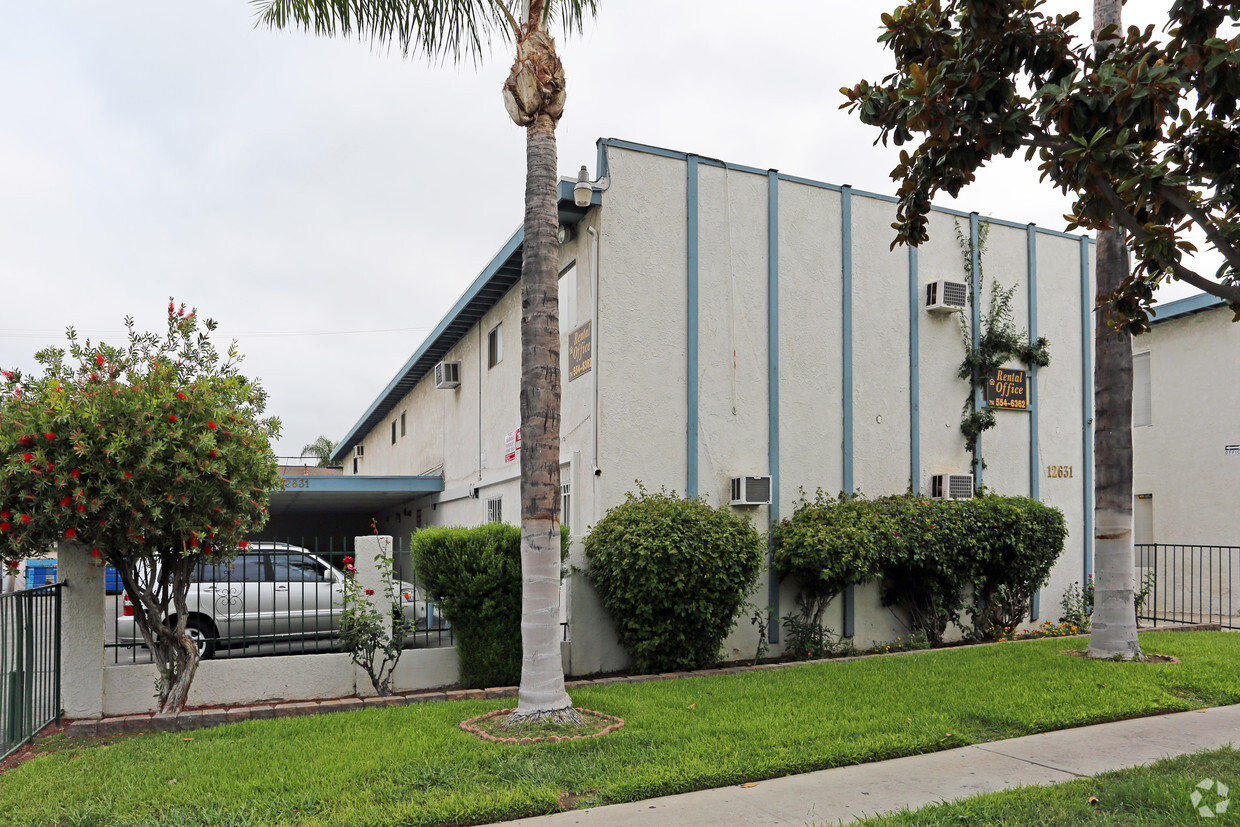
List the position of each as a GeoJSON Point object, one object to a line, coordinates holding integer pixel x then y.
{"type": "Point", "coordinates": [1114, 630]}
{"type": "Point", "coordinates": [534, 98]}
{"type": "Point", "coordinates": [321, 448]}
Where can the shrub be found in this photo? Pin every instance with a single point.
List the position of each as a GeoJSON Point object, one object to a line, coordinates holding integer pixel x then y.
{"type": "Point", "coordinates": [474, 575]}
{"type": "Point", "coordinates": [985, 555]}
{"type": "Point", "coordinates": [826, 546]}
{"type": "Point", "coordinates": [673, 573]}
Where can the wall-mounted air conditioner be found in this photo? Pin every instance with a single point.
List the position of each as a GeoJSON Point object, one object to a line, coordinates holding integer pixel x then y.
{"type": "Point", "coordinates": [944, 296]}
{"type": "Point", "coordinates": [751, 490]}
{"type": "Point", "coordinates": [448, 375]}
{"type": "Point", "coordinates": [951, 487]}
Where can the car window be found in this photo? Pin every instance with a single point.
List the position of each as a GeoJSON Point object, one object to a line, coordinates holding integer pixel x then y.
{"type": "Point", "coordinates": [297, 567]}
{"type": "Point", "coordinates": [248, 568]}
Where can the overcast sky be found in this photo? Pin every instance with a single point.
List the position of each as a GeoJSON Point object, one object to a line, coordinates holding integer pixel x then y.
{"type": "Point", "coordinates": [327, 203]}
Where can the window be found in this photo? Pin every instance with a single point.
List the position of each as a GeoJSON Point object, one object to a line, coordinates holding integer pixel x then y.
{"type": "Point", "coordinates": [1142, 413]}
{"type": "Point", "coordinates": [393, 431]}
{"type": "Point", "coordinates": [495, 345]}
{"type": "Point", "coordinates": [402, 423]}
{"type": "Point", "coordinates": [296, 567]}
{"type": "Point", "coordinates": [566, 500]}
{"type": "Point", "coordinates": [495, 511]}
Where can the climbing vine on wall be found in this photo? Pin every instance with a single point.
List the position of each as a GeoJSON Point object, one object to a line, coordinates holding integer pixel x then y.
{"type": "Point", "coordinates": [999, 343]}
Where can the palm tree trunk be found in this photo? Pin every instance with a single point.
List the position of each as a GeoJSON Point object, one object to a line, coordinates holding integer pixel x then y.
{"type": "Point", "coordinates": [542, 694]}
{"type": "Point", "coordinates": [1114, 628]}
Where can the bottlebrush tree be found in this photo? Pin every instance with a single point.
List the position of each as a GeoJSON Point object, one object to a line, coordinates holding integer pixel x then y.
{"type": "Point", "coordinates": [154, 455]}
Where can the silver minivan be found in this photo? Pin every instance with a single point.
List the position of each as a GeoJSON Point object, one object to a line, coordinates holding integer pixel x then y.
{"type": "Point", "coordinates": [270, 592]}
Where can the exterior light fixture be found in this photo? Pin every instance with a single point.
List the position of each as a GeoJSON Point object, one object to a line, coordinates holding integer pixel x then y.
{"type": "Point", "coordinates": [583, 191]}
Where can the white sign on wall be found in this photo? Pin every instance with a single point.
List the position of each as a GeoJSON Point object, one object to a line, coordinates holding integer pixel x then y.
{"type": "Point", "coordinates": [512, 445]}
{"type": "Point", "coordinates": [1231, 450]}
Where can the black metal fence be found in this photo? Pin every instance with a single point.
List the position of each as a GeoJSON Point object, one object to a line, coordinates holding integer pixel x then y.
{"type": "Point", "coordinates": [1189, 584]}
{"type": "Point", "coordinates": [29, 664]}
{"type": "Point", "coordinates": [276, 598]}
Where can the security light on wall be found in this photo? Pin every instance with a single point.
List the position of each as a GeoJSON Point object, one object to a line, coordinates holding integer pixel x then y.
{"type": "Point", "coordinates": [582, 191]}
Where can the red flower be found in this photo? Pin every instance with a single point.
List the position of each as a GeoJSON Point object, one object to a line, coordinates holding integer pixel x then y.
{"type": "Point", "coordinates": [181, 312]}
{"type": "Point", "coordinates": [67, 501]}
{"type": "Point", "coordinates": [94, 552]}
{"type": "Point", "coordinates": [94, 377]}
{"type": "Point", "coordinates": [5, 527]}
{"type": "Point", "coordinates": [172, 417]}
{"type": "Point", "coordinates": [352, 569]}
{"type": "Point", "coordinates": [171, 307]}
{"type": "Point", "coordinates": [180, 394]}
{"type": "Point", "coordinates": [50, 436]}
{"type": "Point", "coordinates": [128, 475]}
{"type": "Point", "coordinates": [212, 425]}
{"type": "Point", "coordinates": [212, 453]}
{"type": "Point", "coordinates": [51, 466]}
{"type": "Point", "coordinates": [81, 509]}
{"type": "Point", "coordinates": [370, 592]}
{"type": "Point", "coordinates": [25, 519]}
{"type": "Point", "coordinates": [26, 440]}
{"type": "Point", "coordinates": [4, 515]}
{"type": "Point", "coordinates": [13, 564]}
{"type": "Point", "coordinates": [243, 544]}
{"type": "Point", "coordinates": [193, 542]}
{"type": "Point", "coordinates": [75, 473]}
{"type": "Point", "coordinates": [348, 560]}
{"type": "Point", "coordinates": [70, 533]}
{"type": "Point", "coordinates": [28, 457]}
{"type": "Point", "coordinates": [99, 359]}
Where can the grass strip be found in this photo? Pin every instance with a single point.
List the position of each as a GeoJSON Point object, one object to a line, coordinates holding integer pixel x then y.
{"type": "Point", "coordinates": [413, 765]}
{"type": "Point", "coordinates": [1161, 793]}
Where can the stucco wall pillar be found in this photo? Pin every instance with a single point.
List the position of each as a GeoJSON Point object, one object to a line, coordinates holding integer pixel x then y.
{"type": "Point", "coordinates": [370, 576]}
{"type": "Point", "coordinates": [82, 631]}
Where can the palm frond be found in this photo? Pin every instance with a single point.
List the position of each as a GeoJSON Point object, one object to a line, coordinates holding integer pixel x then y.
{"type": "Point", "coordinates": [572, 13]}
{"type": "Point", "coordinates": [436, 28]}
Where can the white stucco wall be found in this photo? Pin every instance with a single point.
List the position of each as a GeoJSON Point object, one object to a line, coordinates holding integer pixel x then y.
{"type": "Point", "coordinates": [1179, 458]}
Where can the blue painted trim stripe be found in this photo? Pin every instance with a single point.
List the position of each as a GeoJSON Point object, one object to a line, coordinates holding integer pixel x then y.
{"type": "Point", "coordinates": [772, 375]}
{"type": "Point", "coordinates": [691, 423]}
{"type": "Point", "coordinates": [975, 267]}
{"type": "Point", "coordinates": [1035, 453]}
{"type": "Point", "coordinates": [846, 303]}
{"type": "Point", "coordinates": [914, 373]}
{"type": "Point", "coordinates": [1185, 307]}
{"type": "Point", "coordinates": [1087, 410]}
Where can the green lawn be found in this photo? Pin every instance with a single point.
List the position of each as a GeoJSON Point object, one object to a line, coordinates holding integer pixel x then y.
{"type": "Point", "coordinates": [412, 765]}
{"type": "Point", "coordinates": [1158, 794]}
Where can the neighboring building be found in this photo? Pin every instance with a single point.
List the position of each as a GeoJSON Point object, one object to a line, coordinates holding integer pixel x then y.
{"type": "Point", "coordinates": [1186, 426]}
{"type": "Point", "coordinates": [721, 321]}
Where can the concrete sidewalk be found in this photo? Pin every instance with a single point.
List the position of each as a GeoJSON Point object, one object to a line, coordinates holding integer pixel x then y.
{"type": "Point", "coordinates": [850, 793]}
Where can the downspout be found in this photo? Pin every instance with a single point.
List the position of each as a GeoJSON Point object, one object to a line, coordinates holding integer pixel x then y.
{"type": "Point", "coordinates": [596, 471]}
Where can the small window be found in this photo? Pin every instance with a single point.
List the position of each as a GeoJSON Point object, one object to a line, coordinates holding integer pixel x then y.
{"type": "Point", "coordinates": [566, 501]}
{"type": "Point", "coordinates": [495, 345]}
{"type": "Point", "coordinates": [1142, 413]}
{"type": "Point", "coordinates": [402, 423]}
{"type": "Point", "coordinates": [495, 510]}
{"type": "Point", "coordinates": [355, 465]}
{"type": "Point", "coordinates": [393, 431]}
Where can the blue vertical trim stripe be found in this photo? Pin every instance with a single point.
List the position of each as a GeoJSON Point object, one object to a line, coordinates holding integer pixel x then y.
{"type": "Point", "coordinates": [1087, 410]}
{"type": "Point", "coordinates": [975, 267]}
{"type": "Point", "coordinates": [914, 373]}
{"type": "Point", "coordinates": [1035, 454]}
{"type": "Point", "coordinates": [846, 308]}
{"type": "Point", "coordinates": [772, 374]}
{"type": "Point", "coordinates": [691, 423]}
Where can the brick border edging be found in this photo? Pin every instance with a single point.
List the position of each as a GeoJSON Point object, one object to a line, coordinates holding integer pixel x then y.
{"type": "Point", "coordinates": [201, 718]}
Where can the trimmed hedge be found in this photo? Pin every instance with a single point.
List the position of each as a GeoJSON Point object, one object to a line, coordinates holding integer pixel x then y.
{"type": "Point", "coordinates": [474, 575]}
{"type": "Point", "coordinates": [936, 560]}
{"type": "Point", "coordinates": [674, 574]}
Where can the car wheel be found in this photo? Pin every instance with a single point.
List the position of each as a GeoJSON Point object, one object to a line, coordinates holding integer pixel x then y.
{"type": "Point", "coordinates": [202, 632]}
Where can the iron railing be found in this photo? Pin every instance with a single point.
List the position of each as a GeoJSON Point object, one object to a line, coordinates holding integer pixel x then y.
{"type": "Point", "coordinates": [29, 664]}
{"type": "Point", "coordinates": [275, 600]}
{"type": "Point", "coordinates": [1189, 584]}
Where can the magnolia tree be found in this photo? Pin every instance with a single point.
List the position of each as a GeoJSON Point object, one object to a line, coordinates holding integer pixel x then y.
{"type": "Point", "coordinates": [154, 455]}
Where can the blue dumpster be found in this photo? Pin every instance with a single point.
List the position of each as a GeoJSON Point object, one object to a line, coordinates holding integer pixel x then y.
{"type": "Point", "coordinates": [114, 584]}
{"type": "Point", "coordinates": [40, 573]}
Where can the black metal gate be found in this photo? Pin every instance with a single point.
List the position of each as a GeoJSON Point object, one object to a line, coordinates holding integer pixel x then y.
{"type": "Point", "coordinates": [29, 664]}
{"type": "Point", "coordinates": [1189, 584]}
